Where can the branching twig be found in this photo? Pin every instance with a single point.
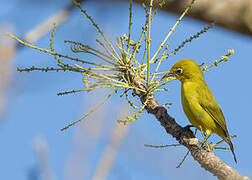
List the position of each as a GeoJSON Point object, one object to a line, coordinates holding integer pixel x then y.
{"type": "Point", "coordinates": [118, 71]}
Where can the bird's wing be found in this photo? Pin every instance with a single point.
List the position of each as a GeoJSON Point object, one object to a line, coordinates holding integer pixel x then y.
{"type": "Point", "coordinates": [210, 105]}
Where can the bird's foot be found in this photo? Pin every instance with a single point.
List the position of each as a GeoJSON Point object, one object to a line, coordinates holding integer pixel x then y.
{"type": "Point", "coordinates": [208, 146]}
{"type": "Point", "coordinates": [205, 144]}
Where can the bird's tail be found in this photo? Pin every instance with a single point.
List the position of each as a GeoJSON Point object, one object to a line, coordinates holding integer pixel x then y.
{"type": "Point", "coordinates": [228, 140]}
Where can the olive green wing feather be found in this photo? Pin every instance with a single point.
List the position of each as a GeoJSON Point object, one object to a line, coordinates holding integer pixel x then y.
{"type": "Point", "coordinates": [215, 112]}
{"type": "Point", "coordinates": [210, 105]}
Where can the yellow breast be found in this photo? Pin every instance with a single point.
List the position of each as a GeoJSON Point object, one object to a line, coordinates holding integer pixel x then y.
{"type": "Point", "coordinates": [193, 110]}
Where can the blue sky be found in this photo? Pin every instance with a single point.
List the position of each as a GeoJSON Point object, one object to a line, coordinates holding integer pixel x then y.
{"type": "Point", "coordinates": [34, 113]}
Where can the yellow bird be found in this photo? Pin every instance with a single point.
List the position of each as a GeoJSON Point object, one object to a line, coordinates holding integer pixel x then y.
{"type": "Point", "coordinates": [199, 104]}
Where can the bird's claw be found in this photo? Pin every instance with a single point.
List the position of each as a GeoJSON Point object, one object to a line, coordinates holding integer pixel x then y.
{"type": "Point", "coordinates": [207, 146]}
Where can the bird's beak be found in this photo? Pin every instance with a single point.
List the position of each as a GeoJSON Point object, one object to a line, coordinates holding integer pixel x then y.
{"type": "Point", "coordinates": [167, 75]}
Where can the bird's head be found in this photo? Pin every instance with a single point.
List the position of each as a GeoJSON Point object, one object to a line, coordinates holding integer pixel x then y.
{"type": "Point", "coordinates": [185, 69]}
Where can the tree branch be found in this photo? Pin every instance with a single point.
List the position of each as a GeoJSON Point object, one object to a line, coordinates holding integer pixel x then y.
{"type": "Point", "coordinates": [230, 14]}
{"type": "Point", "coordinates": [208, 160]}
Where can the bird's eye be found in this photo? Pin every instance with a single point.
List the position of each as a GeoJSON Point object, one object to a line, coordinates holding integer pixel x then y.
{"type": "Point", "coordinates": [179, 71]}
